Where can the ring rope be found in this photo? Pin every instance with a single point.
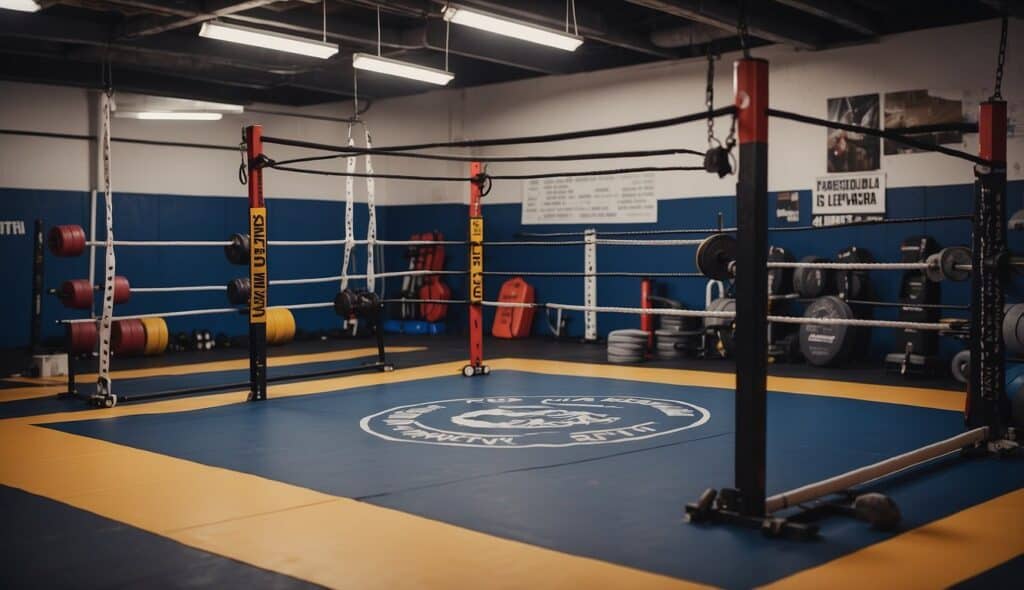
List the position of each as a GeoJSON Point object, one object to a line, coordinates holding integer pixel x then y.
{"type": "Point", "coordinates": [169, 314]}
{"type": "Point", "coordinates": [275, 166]}
{"type": "Point", "coordinates": [781, 319]}
{"type": "Point", "coordinates": [178, 289]}
{"type": "Point", "coordinates": [594, 274]}
{"type": "Point", "coordinates": [503, 159]}
{"type": "Point", "coordinates": [563, 136]}
{"type": "Point", "coordinates": [883, 133]}
{"type": "Point", "coordinates": [134, 243]}
{"type": "Point", "coordinates": [709, 230]}
{"type": "Point", "coordinates": [852, 265]}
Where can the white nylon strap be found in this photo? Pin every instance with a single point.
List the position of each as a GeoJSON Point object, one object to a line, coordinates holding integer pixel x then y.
{"type": "Point", "coordinates": [349, 198]}
{"type": "Point", "coordinates": [371, 227]}
{"type": "Point", "coordinates": [103, 386]}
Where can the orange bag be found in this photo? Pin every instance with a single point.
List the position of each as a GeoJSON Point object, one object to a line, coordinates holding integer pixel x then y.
{"type": "Point", "coordinates": [514, 322]}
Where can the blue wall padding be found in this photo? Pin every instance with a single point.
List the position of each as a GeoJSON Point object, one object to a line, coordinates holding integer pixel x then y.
{"type": "Point", "coordinates": [166, 217]}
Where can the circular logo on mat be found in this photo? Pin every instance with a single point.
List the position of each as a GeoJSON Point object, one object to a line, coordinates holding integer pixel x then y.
{"type": "Point", "coordinates": [518, 422]}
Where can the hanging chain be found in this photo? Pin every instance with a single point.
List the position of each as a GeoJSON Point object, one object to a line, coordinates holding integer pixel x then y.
{"type": "Point", "coordinates": [243, 172]}
{"type": "Point", "coordinates": [741, 28]}
{"type": "Point", "coordinates": [1001, 61]}
{"type": "Point", "coordinates": [709, 97]}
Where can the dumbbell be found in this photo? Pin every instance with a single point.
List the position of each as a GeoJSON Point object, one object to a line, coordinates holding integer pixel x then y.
{"type": "Point", "coordinates": [356, 302]}
{"type": "Point", "coordinates": [78, 293]}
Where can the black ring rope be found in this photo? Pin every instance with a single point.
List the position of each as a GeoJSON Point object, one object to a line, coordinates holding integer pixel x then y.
{"type": "Point", "coordinates": [714, 230]}
{"type": "Point", "coordinates": [885, 134]}
{"type": "Point", "coordinates": [565, 136]}
{"type": "Point", "coordinates": [204, 146]}
{"type": "Point", "coordinates": [493, 159]}
{"type": "Point", "coordinates": [483, 178]}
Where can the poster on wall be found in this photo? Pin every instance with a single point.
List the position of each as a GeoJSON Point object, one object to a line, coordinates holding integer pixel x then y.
{"type": "Point", "coordinates": [916, 108]}
{"type": "Point", "coordinates": [787, 206]}
{"type": "Point", "coordinates": [610, 198]}
{"type": "Point", "coordinates": [849, 151]}
{"type": "Point", "coordinates": [972, 100]}
{"type": "Point", "coordinates": [848, 198]}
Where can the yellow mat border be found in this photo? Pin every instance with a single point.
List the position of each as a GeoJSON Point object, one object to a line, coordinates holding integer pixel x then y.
{"type": "Point", "coordinates": [232, 514]}
{"type": "Point", "coordinates": [50, 386]}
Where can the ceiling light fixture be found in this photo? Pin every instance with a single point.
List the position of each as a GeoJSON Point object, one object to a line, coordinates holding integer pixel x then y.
{"type": "Point", "coordinates": [461, 15]}
{"type": "Point", "coordinates": [267, 39]}
{"type": "Point", "coordinates": [169, 116]}
{"type": "Point", "coordinates": [393, 67]}
{"type": "Point", "coordinates": [19, 5]}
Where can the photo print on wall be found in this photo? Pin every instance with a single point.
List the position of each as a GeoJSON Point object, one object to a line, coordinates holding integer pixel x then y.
{"type": "Point", "coordinates": [848, 151]}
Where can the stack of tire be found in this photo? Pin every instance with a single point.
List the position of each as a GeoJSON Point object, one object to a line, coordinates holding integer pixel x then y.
{"type": "Point", "coordinates": [627, 346]}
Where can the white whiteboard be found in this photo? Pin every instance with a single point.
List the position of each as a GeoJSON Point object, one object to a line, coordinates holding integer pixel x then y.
{"type": "Point", "coordinates": [613, 198]}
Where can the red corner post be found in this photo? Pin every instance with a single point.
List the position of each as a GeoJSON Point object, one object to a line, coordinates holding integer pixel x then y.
{"type": "Point", "coordinates": [257, 266]}
{"type": "Point", "coordinates": [750, 80]}
{"type": "Point", "coordinates": [646, 320]}
{"type": "Point", "coordinates": [987, 404]}
{"type": "Point", "coordinates": [476, 276]}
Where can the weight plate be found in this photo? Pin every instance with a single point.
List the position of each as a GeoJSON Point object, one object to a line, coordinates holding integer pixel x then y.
{"type": "Point", "coordinates": [286, 326]}
{"type": "Point", "coordinates": [721, 304]}
{"type": "Point", "coordinates": [934, 270]}
{"type": "Point", "coordinates": [128, 337]}
{"type": "Point", "coordinates": [238, 291]}
{"type": "Point", "coordinates": [1013, 329]}
{"type": "Point", "coordinates": [960, 366]}
{"type": "Point", "coordinates": [83, 337]}
{"type": "Point", "coordinates": [826, 344]}
{"type": "Point", "coordinates": [852, 284]}
{"type": "Point", "coordinates": [66, 240]}
{"type": "Point", "coordinates": [715, 255]}
{"type": "Point", "coordinates": [272, 325]}
{"type": "Point", "coordinates": [76, 294]}
{"type": "Point", "coordinates": [156, 335]}
{"type": "Point", "coordinates": [953, 257]}
{"type": "Point", "coordinates": [237, 252]}
{"type": "Point", "coordinates": [122, 290]}
{"type": "Point", "coordinates": [780, 280]}
{"type": "Point", "coordinates": [811, 283]}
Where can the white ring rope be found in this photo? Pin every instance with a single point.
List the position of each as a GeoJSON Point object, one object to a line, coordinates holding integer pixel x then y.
{"type": "Point", "coordinates": [169, 314]}
{"type": "Point", "coordinates": [626, 242]}
{"type": "Point", "coordinates": [144, 243]}
{"type": "Point", "coordinates": [781, 319]}
{"type": "Point", "coordinates": [852, 265]}
{"type": "Point", "coordinates": [383, 275]}
{"type": "Point", "coordinates": [178, 289]}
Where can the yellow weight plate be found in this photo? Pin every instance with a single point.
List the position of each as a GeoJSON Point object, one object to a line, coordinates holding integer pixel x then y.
{"type": "Point", "coordinates": [287, 326]}
{"type": "Point", "coordinates": [272, 325]}
{"type": "Point", "coordinates": [156, 335]}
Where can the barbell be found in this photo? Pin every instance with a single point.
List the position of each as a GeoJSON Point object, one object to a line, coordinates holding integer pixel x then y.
{"type": "Point", "coordinates": [716, 259]}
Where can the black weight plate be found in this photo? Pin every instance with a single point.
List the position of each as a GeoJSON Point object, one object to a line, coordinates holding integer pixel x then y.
{"type": "Point", "coordinates": [237, 252]}
{"type": "Point", "coordinates": [715, 255]}
{"type": "Point", "coordinates": [961, 366]}
{"type": "Point", "coordinates": [826, 345]}
{"type": "Point", "coordinates": [1013, 329]}
{"type": "Point", "coordinates": [811, 282]}
{"type": "Point", "coordinates": [780, 280]}
{"type": "Point", "coordinates": [852, 284]}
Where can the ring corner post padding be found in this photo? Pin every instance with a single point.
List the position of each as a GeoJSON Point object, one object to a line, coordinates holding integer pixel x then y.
{"type": "Point", "coordinates": [750, 79]}
{"type": "Point", "coordinates": [476, 274]}
{"type": "Point", "coordinates": [257, 267]}
{"type": "Point", "coordinates": [987, 402]}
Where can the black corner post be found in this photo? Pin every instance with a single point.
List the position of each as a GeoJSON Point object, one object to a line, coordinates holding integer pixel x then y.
{"type": "Point", "coordinates": [38, 252]}
{"type": "Point", "coordinates": [987, 404]}
{"type": "Point", "coordinates": [750, 79]}
{"type": "Point", "coordinates": [257, 267]}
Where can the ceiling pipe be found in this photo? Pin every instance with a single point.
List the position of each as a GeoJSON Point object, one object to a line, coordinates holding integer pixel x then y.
{"type": "Point", "coordinates": [689, 36]}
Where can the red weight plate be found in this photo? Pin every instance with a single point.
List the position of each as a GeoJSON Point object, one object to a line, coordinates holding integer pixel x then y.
{"type": "Point", "coordinates": [67, 240]}
{"type": "Point", "coordinates": [76, 294]}
{"type": "Point", "coordinates": [83, 337]}
{"type": "Point", "coordinates": [128, 337]}
{"type": "Point", "coordinates": [122, 290]}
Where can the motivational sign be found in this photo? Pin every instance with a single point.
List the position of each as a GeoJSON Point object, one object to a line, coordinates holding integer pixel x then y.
{"type": "Point", "coordinates": [848, 197]}
{"type": "Point", "coordinates": [611, 198]}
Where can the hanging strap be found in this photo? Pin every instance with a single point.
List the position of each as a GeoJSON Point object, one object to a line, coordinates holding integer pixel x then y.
{"type": "Point", "coordinates": [103, 385]}
{"type": "Point", "coordinates": [349, 198]}
{"type": "Point", "coordinates": [371, 227]}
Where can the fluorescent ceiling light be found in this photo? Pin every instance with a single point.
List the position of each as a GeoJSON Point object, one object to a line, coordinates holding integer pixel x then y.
{"type": "Point", "coordinates": [169, 116]}
{"type": "Point", "coordinates": [393, 67]}
{"type": "Point", "coordinates": [267, 40]}
{"type": "Point", "coordinates": [511, 28]}
{"type": "Point", "coordinates": [20, 5]}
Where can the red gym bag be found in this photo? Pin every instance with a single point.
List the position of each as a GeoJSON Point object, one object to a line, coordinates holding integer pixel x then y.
{"type": "Point", "coordinates": [514, 322]}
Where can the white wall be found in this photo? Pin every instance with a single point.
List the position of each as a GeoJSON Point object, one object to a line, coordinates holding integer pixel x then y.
{"type": "Point", "coordinates": [960, 58]}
